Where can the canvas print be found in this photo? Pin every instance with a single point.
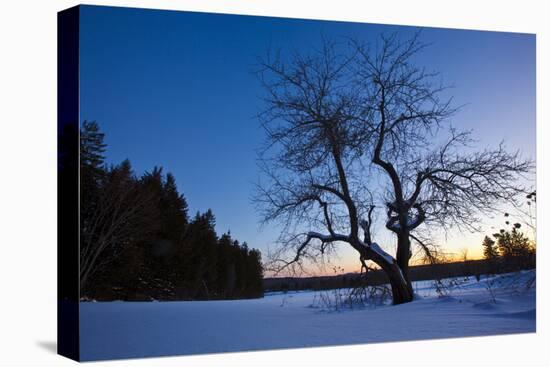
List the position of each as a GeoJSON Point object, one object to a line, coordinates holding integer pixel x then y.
{"type": "Point", "coordinates": [235, 183]}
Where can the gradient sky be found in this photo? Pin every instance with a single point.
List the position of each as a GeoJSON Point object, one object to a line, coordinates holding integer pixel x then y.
{"type": "Point", "coordinates": [176, 89]}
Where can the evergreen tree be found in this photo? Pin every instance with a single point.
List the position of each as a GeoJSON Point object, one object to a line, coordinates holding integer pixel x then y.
{"type": "Point", "coordinates": [137, 242]}
{"type": "Point", "coordinates": [515, 248]}
{"type": "Point", "coordinates": [92, 172]}
{"type": "Point", "coordinates": [513, 243]}
{"type": "Point", "coordinates": [490, 249]}
{"type": "Point", "coordinates": [173, 208]}
{"type": "Point", "coordinates": [201, 259]}
{"type": "Point", "coordinates": [254, 274]}
{"type": "Point", "coordinates": [92, 146]}
{"type": "Point", "coordinates": [226, 267]}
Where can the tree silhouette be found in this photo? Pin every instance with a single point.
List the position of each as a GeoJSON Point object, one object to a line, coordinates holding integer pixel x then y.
{"type": "Point", "coordinates": [335, 118]}
{"type": "Point", "coordinates": [137, 242]}
{"type": "Point", "coordinates": [490, 249]}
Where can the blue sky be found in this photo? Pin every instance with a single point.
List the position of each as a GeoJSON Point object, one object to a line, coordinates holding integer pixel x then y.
{"type": "Point", "coordinates": [176, 89]}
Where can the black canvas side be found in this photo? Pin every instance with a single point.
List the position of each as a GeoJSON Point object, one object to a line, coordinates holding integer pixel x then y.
{"type": "Point", "coordinates": [68, 343]}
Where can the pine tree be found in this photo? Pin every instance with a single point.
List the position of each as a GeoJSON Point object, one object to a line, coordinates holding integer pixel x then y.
{"type": "Point", "coordinates": [515, 248]}
{"type": "Point", "coordinates": [226, 267]}
{"type": "Point", "coordinates": [200, 262]}
{"type": "Point", "coordinates": [137, 242]}
{"type": "Point", "coordinates": [254, 274]}
{"type": "Point", "coordinates": [490, 249]}
{"type": "Point", "coordinates": [173, 207]}
{"type": "Point", "coordinates": [92, 171]}
{"type": "Point", "coordinates": [92, 149]}
{"type": "Point", "coordinates": [92, 178]}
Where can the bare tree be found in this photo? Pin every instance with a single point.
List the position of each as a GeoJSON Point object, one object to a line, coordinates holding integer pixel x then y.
{"type": "Point", "coordinates": [463, 254]}
{"type": "Point", "coordinates": [314, 123]}
{"type": "Point", "coordinates": [331, 119]}
{"type": "Point", "coordinates": [446, 186]}
{"type": "Point", "coordinates": [125, 213]}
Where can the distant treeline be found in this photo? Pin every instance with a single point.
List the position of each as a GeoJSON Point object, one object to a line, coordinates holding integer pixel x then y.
{"type": "Point", "coordinates": [377, 277]}
{"type": "Point", "coordinates": [510, 251]}
{"type": "Point", "coordinates": [137, 241]}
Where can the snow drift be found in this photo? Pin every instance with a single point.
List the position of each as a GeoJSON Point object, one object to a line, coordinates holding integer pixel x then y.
{"type": "Point", "coordinates": [503, 304]}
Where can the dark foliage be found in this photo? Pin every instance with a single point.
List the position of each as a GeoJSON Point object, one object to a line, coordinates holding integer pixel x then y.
{"type": "Point", "coordinates": [511, 249]}
{"type": "Point", "coordinates": [516, 252]}
{"type": "Point", "coordinates": [138, 242]}
{"type": "Point", "coordinates": [490, 249]}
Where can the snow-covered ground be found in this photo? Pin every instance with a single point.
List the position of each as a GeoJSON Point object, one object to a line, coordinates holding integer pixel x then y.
{"type": "Point", "coordinates": [138, 329]}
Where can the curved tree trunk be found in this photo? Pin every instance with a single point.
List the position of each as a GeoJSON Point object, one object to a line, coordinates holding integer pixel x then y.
{"type": "Point", "coordinates": [400, 287]}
